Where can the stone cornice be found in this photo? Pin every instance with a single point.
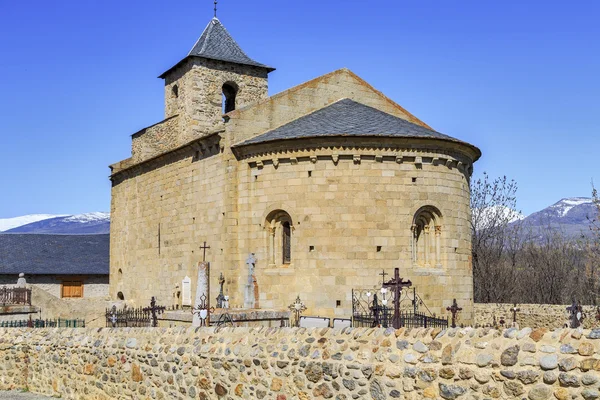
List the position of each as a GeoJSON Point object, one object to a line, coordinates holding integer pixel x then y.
{"type": "Point", "coordinates": [448, 157]}
{"type": "Point", "coordinates": [332, 145]}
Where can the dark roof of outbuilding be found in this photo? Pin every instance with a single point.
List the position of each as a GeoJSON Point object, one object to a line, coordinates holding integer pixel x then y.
{"type": "Point", "coordinates": [349, 118]}
{"type": "Point", "coordinates": [217, 44]}
{"type": "Point", "coordinates": [54, 254]}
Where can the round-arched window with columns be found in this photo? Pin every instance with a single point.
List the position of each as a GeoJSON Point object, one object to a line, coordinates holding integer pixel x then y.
{"type": "Point", "coordinates": [279, 228]}
{"type": "Point", "coordinates": [426, 237]}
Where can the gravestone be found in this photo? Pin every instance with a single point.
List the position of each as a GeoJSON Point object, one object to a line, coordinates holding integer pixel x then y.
{"type": "Point", "coordinates": [202, 291]}
{"type": "Point", "coordinates": [249, 293]}
{"type": "Point", "coordinates": [186, 291]}
{"type": "Point", "coordinates": [314, 322]}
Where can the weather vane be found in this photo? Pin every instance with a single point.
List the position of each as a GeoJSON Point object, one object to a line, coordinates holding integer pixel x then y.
{"type": "Point", "coordinates": [216, 8]}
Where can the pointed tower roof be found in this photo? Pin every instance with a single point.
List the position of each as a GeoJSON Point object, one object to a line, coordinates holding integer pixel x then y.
{"type": "Point", "coordinates": [216, 43]}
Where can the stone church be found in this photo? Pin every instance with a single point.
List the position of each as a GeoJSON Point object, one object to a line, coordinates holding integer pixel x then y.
{"type": "Point", "coordinates": [327, 183]}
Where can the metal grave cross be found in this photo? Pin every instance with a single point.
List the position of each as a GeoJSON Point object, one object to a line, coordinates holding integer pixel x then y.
{"type": "Point", "coordinates": [454, 309]}
{"type": "Point", "coordinates": [155, 310]}
{"type": "Point", "coordinates": [515, 310]}
{"type": "Point", "coordinates": [204, 247]}
{"type": "Point", "coordinates": [221, 296]}
{"type": "Point", "coordinates": [396, 285]}
{"type": "Point", "coordinates": [575, 315]}
{"type": "Point", "coordinates": [383, 275]}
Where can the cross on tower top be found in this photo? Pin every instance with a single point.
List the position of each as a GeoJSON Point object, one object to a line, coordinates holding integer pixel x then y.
{"type": "Point", "coordinates": [216, 8]}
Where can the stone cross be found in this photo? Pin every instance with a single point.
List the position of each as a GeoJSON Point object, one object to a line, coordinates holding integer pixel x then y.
{"type": "Point", "coordinates": [202, 291]}
{"type": "Point", "coordinates": [249, 295]}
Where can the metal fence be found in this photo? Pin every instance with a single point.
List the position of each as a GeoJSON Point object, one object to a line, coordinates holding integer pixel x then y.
{"type": "Point", "coordinates": [11, 296]}
{"type": "Point", "coordinates": [369, 310]}
{"type": "Point", "coordinates": [128, 317]}
{"type": "Point", "coordinates": [44, 323]}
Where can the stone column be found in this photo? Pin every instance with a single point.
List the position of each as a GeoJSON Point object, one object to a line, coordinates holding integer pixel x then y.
{"type": "Point", "coordinates": [202, 289]}
{"type": "Point", "coordinates": [426, 244]}
{"type": "Point", "coordinates": [438, 249]}
{"type": "Point", "coordinates": [272, 240]}
{"type": "Point", "coordinates": [413, 244]}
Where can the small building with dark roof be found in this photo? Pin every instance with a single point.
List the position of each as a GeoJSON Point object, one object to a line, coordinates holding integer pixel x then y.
{"type": "Point", "coordinates": [327, 183]}
{"type": "Point", "coordinates": [66, 266]}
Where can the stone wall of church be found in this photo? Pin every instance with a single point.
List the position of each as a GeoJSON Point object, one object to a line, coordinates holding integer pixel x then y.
{"type": "Point", "coordinates": [161, 213]}
{"type": "Point", "coordinates": [351, 211]}
{"type": "Point", "coordinates": [273, 363]}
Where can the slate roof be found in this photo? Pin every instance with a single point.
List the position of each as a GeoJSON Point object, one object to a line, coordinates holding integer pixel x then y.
{"type": "Point", "coordinates": [217, 44]}
{"type": "Point", "coordinates": [54, 254]}
{"type": "Point", "coordinates": [348, 118]}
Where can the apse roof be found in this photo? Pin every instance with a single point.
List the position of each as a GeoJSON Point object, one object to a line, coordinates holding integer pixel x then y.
{"type": "Point", "coordinates": [348, 118]}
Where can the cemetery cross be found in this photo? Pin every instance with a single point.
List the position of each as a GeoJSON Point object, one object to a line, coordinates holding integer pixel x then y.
{"type": "Point", "coordinates": [396, 285]}
{"type": "Point", "coordinates": [155, 310]}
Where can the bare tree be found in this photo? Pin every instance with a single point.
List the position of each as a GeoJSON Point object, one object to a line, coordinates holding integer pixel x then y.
{"type": "Point", "coordinates": [493, 206]}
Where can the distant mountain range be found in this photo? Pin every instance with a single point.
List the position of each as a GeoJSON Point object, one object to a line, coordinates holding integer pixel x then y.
{"type": "Point", "coordinates": [570, 216]}
{"type": "Point", "coordinates": [81, 224]}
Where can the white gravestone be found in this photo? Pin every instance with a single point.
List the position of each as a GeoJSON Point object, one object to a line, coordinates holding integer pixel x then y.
{"type": "Point", "coordinates": [249, 294]}
{"type": "Point", "coordinates": [201, 290]}
{"type": "Point", "coordinates": [186, 289]}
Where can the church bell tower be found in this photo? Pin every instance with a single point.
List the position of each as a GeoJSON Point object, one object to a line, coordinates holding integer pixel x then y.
{"type": "Point", "coordinates": [216, 77]}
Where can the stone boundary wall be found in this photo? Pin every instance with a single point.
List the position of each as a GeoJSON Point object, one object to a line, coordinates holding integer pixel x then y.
{"type": "Point", "coordinates": [299, 363]}
{"type": "Point", "coordinates": [550, 316]}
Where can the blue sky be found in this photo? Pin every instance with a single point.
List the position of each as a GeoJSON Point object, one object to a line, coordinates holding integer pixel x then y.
{"type": "Point", "coordinates": [519, 79]}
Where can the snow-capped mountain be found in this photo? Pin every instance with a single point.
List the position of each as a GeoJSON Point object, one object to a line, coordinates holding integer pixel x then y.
{"type": "Point", "coordinates": [81, 224]}
{"type": "Point", "coordinates": [10, 223]}
{"type": "Point", "coordinates": [485, 217]}
{"type": "Point", "coordinates": [571, 216]}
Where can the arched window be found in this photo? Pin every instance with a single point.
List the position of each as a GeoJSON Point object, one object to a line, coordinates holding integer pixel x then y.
{"type": "Point", "coordinates": [279, 229]}
{"type": "Point", "coordinates": [426, 237]}
{"type": "Point", "coordinates": [230, 90]}
{"type": "Point", "coordinates": [287, 242]}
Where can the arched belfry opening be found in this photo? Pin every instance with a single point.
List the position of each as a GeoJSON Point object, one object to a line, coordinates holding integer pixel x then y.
{"type": "Point", "coordinates": [230, 90]}
{"type": "Point", "coordinates": [279, 229]}
{"type": "Point", "coordinates": [426, 237]}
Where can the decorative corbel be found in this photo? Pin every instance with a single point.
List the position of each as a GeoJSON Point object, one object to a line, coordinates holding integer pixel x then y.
{"type": "Point", "coordinates": [276, 162]}
{"type": "Point", "coordinates": [418, 161]}
{"type": "Point", "coordinates": [449, 163]}
{"type": "Point", "coordinates": [259, 164]}
{"type": "Point", "coordinates": [356, 159]}
{"type": "Point", "coordinates": [313, 159]}
{"type": "Point", "coordinates": [379, 158]}
{"type": "Point", "coordinates": [293, 160]}
{"type": "Point", "coordinates": [335, 158]}
{"type": "Point", "coordinates": [399, 159]}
